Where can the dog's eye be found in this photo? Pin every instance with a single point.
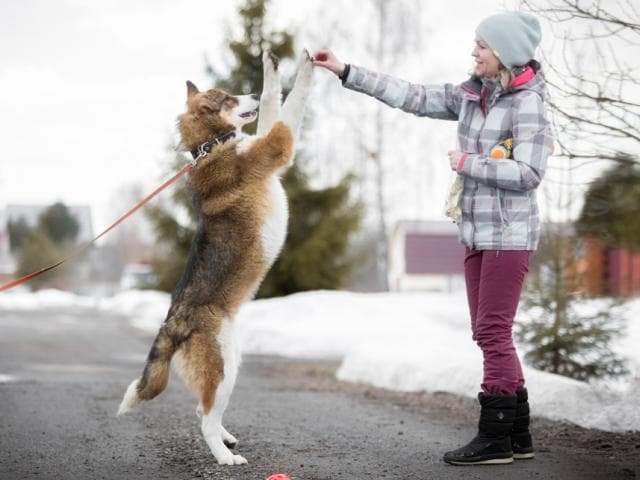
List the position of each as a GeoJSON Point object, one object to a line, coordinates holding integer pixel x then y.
{"type": "Point", "coordinates": [230, 101]}
{"type": "Point", "coordinates": [208, 108]}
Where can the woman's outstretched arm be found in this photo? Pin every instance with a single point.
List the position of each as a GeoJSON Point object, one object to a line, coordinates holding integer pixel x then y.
{"type": "Point", "coordinates": [435, 101]}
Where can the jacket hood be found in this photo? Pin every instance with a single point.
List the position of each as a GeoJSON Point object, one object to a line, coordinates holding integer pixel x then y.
{"type": "Point", "coordinates": [535, 84]}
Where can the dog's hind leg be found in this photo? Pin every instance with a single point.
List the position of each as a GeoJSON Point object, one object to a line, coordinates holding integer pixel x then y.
{"type": "Point", "coordinates": [271, 94]}
{"type": "Point", "coordinates": [210, 365]}
{"type": "Point", "coordinates": [229, 440]}
{"type": "Point", "coordinates": [293, 108]}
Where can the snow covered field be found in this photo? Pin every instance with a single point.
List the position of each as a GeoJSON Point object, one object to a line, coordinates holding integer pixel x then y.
{"type": "Point", "coordinates": [404, 342]}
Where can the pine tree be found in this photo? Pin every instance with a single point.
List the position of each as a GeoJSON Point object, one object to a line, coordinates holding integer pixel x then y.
{"type": "Point", "coordinates": [18, 232]}
{"type": "Point", "coordinates": [39, 250]}
{"type": "Point", "coordinates": [321, 222]}
{"type": "Point", "coordinates": [174, 236]}
{"type": "Point", "coordinates": [315, 254]}
{"type": "Point", "coordinates": [59, 224]}
{"type": "Point", "coordinates": [44, 244]}
{"type": "Point", "coordinates": [246, 72]}
{"type": "Point", "coordinates": [565, 333]}
{"type": "Point", "coordinates": [610, 210]}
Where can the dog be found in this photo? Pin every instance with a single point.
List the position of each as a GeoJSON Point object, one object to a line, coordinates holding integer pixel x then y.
{"type": "Point", "coordinates": [242, 221]}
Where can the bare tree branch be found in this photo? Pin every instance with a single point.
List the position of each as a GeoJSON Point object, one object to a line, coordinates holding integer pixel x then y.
{"type": "Point", "coordinates": [568, 10]}
{"type": "Point", "coordinates": [592, 89]}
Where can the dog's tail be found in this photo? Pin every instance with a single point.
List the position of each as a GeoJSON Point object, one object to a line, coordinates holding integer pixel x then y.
{"type": "Point", "coordinates": [156, 371]}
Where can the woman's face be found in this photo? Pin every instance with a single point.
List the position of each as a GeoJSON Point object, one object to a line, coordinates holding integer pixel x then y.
{"type": "Point", "coordinates": [486, 63]}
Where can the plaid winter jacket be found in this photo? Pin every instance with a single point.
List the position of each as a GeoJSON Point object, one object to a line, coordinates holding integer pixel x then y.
{"type": "Point", "coordinates": [499, 207]}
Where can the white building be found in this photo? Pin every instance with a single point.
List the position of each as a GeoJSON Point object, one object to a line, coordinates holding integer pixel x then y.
{"type": "Point", "coordinates": [425, 255]}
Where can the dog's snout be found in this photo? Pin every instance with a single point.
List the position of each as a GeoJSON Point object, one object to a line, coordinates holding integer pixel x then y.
{"type": "Point", "coordinates": [255, 96]}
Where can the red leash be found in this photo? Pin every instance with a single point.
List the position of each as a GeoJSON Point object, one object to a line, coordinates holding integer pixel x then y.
{"type": "Point", "coordinates": [86, 245]}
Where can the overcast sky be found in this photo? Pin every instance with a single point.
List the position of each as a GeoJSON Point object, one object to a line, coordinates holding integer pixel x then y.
{"type": "Point", "coordinates": [89, 91]}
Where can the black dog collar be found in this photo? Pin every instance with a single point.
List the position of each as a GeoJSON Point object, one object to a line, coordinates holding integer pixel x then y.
{"type": "Point", "coordinates": [206, 147]}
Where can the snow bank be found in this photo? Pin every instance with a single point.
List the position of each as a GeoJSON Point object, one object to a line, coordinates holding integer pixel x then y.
{"type": "Point", "coordinates": [23, 299]}
{"type": "Point", "coordinates": [331, 324]}
{"type": "Point", "coordinates": [416, 342]}
{"type": "Point", "coordinates": [404, 342]}
{"type": "Point", "coordinates": [146, 309]}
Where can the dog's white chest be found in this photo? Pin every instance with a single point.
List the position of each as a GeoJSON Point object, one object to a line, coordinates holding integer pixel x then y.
{"type": "Point", "coordinates": [274, 230]}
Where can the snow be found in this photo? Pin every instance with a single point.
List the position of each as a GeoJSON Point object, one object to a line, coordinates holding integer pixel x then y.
{"type": "Point", "coordinates": [406, 342]}
{"type": "Point", "coordinates": [22, 299]}
{"type": "Point", "coordinates": [146, 309]}
{"type": "Point", "coordinates": [4, 378]}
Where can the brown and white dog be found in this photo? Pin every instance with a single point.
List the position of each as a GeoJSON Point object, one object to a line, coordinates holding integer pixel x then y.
{"type": "Point", "coordinates": [242, 221]}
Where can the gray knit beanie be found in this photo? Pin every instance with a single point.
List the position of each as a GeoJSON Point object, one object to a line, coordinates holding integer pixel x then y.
{"type": "Point", "coordinates": [512, 36]}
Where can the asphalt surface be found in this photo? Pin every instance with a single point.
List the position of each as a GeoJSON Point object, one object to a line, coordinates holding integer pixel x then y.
{"type": "Point", "coordinates": [63, 373]}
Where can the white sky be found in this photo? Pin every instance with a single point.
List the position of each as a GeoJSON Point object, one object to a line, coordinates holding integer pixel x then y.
{"type": "Point", "coordinates": [89, 91]}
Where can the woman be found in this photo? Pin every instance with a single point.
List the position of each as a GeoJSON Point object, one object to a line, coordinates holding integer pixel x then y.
{"type": "Point", "coordinates": [500, 106]}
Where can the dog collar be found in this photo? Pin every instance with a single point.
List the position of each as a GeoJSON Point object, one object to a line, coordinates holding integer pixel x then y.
{"type": "Point", "coordinates": [206, 147]}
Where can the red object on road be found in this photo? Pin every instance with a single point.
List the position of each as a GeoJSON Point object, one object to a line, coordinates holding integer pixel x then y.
{"type": "Point", "coordinates": [279, 476]}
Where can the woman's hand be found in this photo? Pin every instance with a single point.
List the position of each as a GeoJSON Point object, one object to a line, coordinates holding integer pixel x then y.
{"type": "Point", "coordinates": [326, 59]}
{"type": "Point", "coordinates": [454, 159]}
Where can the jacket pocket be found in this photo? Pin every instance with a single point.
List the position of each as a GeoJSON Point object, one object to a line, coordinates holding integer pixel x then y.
{"type": "Point", "coordinates": [502, 206]}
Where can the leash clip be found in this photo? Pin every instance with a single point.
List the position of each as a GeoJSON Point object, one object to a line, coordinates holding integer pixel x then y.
{"type": "Point", "coordinates": [205, 148]}
{"type": "Point", "coordinates": [202, 151]}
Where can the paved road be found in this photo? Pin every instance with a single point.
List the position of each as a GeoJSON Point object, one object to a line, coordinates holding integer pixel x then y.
{"type": "Point", "coordinates": [68, 369]}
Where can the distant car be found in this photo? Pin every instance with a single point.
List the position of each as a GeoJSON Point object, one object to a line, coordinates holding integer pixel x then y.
{"type": "Point", "coordinates": [137, 275]}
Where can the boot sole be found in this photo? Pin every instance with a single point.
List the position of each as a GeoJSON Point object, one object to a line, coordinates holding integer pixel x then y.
{"type": "Point", "coordinates": [524, 456]}
{"type": "Point", "coordinates": [491, 461]}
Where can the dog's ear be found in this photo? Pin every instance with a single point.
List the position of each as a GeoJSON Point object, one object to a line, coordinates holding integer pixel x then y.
{"type": "Point", "coordinates": [191, 89]}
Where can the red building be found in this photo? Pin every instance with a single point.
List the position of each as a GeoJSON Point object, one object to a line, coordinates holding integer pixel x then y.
{"type": "Point", "coordinates": [426, 255]}
{"type": "Point", "coordinates": [609, 271]}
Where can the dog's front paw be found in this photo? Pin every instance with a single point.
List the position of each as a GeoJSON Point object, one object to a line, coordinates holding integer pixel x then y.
{"type": "Point", "coordinates": [271, 80]}
{"type": "Point", "coordinates": [270, 60]}
{"type": "Point", "coordinates": [305, 64]}
{"type": "Point", "coordinates": [306, 55]}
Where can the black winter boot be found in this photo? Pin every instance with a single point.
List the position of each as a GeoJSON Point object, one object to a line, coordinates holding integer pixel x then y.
{"type": "Point", "coordinates": [492, 445]}
{"type": "Point", "coordinates": [521, 442]}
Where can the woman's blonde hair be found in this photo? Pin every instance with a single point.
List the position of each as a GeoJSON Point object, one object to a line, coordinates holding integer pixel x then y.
{"type": "Point", "coordinates": [505, 76]}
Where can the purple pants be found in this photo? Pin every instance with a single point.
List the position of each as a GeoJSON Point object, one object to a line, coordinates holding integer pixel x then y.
{"type": "Point", "coordinates": [494, 281]}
